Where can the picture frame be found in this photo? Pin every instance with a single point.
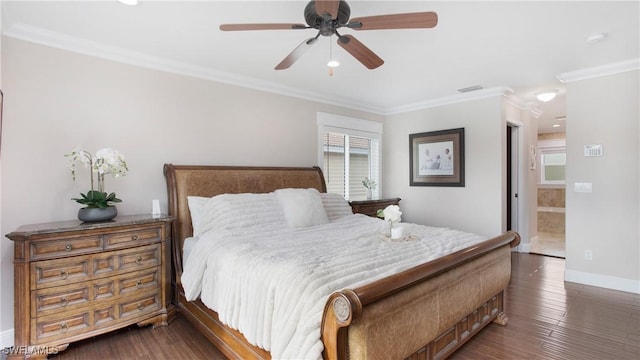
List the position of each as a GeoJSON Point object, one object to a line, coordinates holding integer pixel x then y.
{"type": "Point", "coordinates": [436, 158]}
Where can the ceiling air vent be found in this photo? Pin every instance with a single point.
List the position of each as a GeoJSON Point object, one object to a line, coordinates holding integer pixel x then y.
{"type": "Point", "coordinates": [471, 88]}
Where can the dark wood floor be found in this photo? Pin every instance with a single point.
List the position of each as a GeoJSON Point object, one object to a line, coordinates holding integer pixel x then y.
{"type": "Point", "coordinates": [548, 319]}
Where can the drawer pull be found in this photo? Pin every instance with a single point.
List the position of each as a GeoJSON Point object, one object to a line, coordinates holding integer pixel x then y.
{"type": "Point", "coordinates": [64, 301]}
{"type": "Point", "coordinates": [63, 274]}
{"type": "Point", "coordinates": [69, 247]}
{"type": "Point", "coordinates": [64, 327]}
{"type": "Point", "coordinates": [139, 260]}
{"type": "Point", "coordinates": [139, 284]}
{"type": "Point", "coordinates": [135, 237]}
{"type": "Point", "coordinates": [140, 306]}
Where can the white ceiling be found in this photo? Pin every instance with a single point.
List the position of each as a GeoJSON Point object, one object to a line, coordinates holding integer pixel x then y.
{"type": "Point", "coordinates": [522, 46]}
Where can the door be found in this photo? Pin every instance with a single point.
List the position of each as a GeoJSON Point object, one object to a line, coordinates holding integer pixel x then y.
{"type": "Point", "coordinates": [511, 195]}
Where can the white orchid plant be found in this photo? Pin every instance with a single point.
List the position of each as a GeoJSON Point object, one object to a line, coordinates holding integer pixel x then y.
{"type": "Point", "coordinates": [391, 214]}
{"type": "Point", "coordinates": [107, 161]}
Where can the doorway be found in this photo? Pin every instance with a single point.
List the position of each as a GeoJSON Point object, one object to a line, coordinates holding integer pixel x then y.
{"type": "Point", "coordinates": [551, 193]}
{"type": "Point", "coordinates": [511, 195]}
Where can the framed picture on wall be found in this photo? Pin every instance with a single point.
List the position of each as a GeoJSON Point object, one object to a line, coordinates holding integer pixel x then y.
{"type": "Point", "coordinates": [437, 158]}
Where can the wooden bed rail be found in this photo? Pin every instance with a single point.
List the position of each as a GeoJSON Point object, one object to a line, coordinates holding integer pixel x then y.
{"type": "Point", "coordinates": [345, 306]}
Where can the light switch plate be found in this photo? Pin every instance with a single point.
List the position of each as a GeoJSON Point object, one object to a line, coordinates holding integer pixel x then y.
{"type": "Point", "coordinates": [582, 187]}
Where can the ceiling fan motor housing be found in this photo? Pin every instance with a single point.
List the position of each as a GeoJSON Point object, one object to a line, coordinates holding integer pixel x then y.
{"type": "Point", "coordinates": [326, 24]}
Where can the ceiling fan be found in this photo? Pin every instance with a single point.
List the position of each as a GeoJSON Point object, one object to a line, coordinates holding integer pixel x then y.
{"type": "Point", "coordinates": [327, 16]}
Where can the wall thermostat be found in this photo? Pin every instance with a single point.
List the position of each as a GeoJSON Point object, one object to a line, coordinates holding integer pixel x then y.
{"type": "Point", "coordinates": [593, 150]}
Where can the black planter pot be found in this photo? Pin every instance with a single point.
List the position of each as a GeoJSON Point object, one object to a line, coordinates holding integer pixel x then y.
{"type": "Point", "coordinates": [97, 214]}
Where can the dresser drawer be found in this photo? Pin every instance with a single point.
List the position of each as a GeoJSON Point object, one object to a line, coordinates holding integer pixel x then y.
{"type": "Point", "coordinates": [58, 272]}
{"type": "Point", "coordinates": [66, 246]}
{"type": "Point", "coordinates": [140, 305]}
{"type": "Point", "coordinates": [130, 238]}
{"type": "Point", "coordinates": [51, 328]}
{"type": "Point", "coordinates": [60, 298]}
{"type": "Point", "coordinates": [138, 258]}
{"type": "Point", "coordinates": [140, 280]}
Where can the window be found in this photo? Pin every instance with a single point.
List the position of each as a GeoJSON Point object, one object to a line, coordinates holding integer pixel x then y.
{"type": "Point", "coordinates": [553, 160]}
{"type": "Point", "coordinates": [553, 164]}
{"type": "Point", "coordinates": [349, 151]}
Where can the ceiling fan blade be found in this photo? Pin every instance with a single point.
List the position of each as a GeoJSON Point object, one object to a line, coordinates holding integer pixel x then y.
{"type": "Point", "coordinates": [328, 7]}
{"type": "Point", "coordinates": [418, 20]}
{"type": "Point", "coordinates": [296, 53]}
{"type": "Point", "coordinates": [359, 51]}
{"type": "Point", "coordinates": [241, 27]}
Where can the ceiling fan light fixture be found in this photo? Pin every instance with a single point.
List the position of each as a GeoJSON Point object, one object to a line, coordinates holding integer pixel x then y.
{"type": "Point", "coordinates": [332, 62]}
{"type": "Point", "coordinates": [547, 95]}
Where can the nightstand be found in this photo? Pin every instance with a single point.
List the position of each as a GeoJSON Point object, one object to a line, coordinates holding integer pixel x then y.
{"type": "Point", "coordinates": [75, 280]}
{"type": "Point", "coordinates": [371, 207]}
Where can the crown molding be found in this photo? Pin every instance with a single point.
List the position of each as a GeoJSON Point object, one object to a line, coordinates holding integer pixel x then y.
{"type": "Point", "coordinates": [447, 100]}
{"type": "Point", "coordinates": [598, 71]}
{"type": "Point", "coordinates": [56, 40]}
{"type": "Point", "coordinates": [529, 106]}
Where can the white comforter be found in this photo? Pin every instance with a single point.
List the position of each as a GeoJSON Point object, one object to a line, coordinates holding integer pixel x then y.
{"type": "Point", "coordinates": [271, 283]}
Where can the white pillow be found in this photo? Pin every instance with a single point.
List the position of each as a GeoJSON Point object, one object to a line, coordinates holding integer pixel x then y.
{"type": "Point", "coordinates": [196, 206]}
{"type": "Point", "coordinates": [302, 207]}
{"type": "Point", "coordinates": [238, 211]}
{"type": "Point", "coordinates": [335, 206]}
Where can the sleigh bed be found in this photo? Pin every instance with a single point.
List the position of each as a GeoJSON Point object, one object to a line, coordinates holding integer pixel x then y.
{"type": "Point", "coordinates": [426, 311]}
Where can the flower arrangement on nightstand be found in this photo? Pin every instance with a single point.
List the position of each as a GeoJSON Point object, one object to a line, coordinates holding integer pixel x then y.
{"type": "Point", "coordinates": [370, 185]}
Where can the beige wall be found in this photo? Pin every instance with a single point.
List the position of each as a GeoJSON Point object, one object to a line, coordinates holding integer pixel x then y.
{"type": "Point", "coordinates": [2, 248]}
{"type": "Point", "coordinates": [456, 207]}
{"type": "Point", "coordinates": [55, 100]}
{"type": "Point", "coordinates": [604, 110]}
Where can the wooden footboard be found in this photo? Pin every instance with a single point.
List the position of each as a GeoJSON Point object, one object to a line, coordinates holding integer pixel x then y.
{"type": "Point", "coordinates": [429, 310]}
{"type": "Point", "coordinates": [425, 312]}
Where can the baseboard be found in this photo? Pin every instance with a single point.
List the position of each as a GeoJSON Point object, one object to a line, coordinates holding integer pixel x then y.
{"type": "Point", "coordinates": [603, 281]}
{"type": "Point", "coordinates": [6, 338]}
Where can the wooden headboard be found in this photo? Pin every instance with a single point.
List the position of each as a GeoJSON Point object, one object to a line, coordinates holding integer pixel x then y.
{"type": "Point", "coordinates": [199, 180]}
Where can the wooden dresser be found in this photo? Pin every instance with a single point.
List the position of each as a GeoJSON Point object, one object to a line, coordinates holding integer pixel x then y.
{"type": "Point", "coordinates": [76, 280]}
{"type": "Point", "coordinates": [371, 207]}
